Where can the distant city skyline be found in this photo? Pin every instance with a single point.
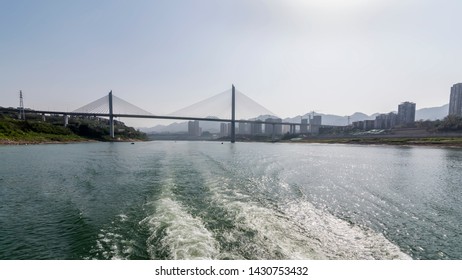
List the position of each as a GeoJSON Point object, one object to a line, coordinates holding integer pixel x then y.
{"type": "Point", "coordinates": [293, 56]}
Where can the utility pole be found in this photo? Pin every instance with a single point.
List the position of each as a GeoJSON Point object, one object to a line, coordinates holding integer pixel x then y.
{"type": "Point", "coordinates": [22, 114]}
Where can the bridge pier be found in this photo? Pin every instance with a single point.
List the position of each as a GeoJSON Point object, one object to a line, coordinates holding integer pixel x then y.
{"type": "Point", "coordinates": [66, 120]}
{"type": "Point", "coordinates": [43, 118]}
{"type": "Point", "coordinates": [273, 134]}
{"type": "Point", "coordinates": [292, 129]}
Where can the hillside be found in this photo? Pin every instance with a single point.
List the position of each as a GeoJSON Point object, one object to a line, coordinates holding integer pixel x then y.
{"type": "Point", "coordinates": [35, 130]}
{"type": "Point", "coordinates": [433, 113]}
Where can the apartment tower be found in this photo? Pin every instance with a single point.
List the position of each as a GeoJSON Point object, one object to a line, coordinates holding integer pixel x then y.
{"type": "Point", "coordinates": [455, 100]}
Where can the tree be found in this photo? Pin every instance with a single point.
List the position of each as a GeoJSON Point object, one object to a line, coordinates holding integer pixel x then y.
{"type": "Point", "coordinates": [451, 123]}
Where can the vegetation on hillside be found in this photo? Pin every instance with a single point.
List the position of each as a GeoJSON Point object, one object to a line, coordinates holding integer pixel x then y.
{"type": "Point", "coordinates": [35, 130]}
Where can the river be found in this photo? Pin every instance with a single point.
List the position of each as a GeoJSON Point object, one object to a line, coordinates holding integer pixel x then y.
{"type": "Point", "coordinates": [207, 200]}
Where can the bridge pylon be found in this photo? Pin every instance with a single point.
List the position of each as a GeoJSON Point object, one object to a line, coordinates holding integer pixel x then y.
{"type": "Point", "coordinates": [111, 116]}
{"type": "Point", "coordinates": [233, 115]}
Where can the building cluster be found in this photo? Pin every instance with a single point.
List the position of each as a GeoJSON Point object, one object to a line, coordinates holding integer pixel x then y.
{"type": "Point", "coordinates": [271, 127]}
{"type": "Point", "coordinates": [406, 113]}
{"type": "Point", "coordinates": [404, 118]}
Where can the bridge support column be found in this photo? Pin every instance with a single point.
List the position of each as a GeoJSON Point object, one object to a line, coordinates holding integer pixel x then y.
{"type": "Point", "coordinates": [273, 134]}
{"type": "Point", "coordinates": [43, 118]}
{"type": "Point", "coordinates": [66, 120]}
{"type": "Point", "coordinates": [233, 115]}
{"type": "Point", "coordinates": [111, 116]}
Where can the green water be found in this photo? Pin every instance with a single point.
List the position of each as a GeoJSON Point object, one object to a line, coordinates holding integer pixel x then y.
{"type": "Point", "coordinates": [205, 200]}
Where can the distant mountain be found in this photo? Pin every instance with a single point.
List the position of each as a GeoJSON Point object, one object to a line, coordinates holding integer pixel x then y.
{"type": "Point", "coordinates": [432, 113]}
{"type": "Point", "coordinates": [176, 127]}
{"type": "Point", "coordinates": [171, 128]}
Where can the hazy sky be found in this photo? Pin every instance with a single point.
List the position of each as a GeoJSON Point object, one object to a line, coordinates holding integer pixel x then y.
{"type": "Point", "coordinates": [292, 56]}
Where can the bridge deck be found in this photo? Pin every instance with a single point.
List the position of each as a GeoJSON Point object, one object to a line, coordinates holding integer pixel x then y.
{"type": "Point", "coordinates": [156, 117]}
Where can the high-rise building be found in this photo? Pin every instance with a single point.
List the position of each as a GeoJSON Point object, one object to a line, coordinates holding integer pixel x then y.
{"type": "Point", "coordinates": [358, 125]}
{"type": "Point", "coordinates": [278, 127]}
{"type": "Point", "coordinates": [406, 113]}
{"type": "Point", "coordinates": [223, 129]}
{"type": "Point", "coordinates": [455, 100]}
{"type": "Point", "coordinates": [256, 128]}
{"type": "Point", "coordinates": [304, 126]}
{"type": "Point", "coordinates": [385, 121]}
{"type": "Point", "coordinates": [194, 128]}
{"type": "Point", "coordinates": [244, 128]}
{"type": "Point", "coordinates": [315, 124]}
{"type": "Point", "coordinates": [369, 124]}
{"type": "Point", "coordinates": [269, 126]}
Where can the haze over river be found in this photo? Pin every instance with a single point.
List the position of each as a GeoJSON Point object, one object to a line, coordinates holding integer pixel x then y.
{"type": "Point", "coordinates": [207, 200]}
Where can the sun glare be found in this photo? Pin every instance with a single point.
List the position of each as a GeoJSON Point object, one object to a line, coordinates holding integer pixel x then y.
{"type": "Point", "coordinates": [333, 5]}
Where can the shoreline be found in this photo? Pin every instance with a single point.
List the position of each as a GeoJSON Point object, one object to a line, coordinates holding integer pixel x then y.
{"type": "Point", "coordinates": [5, 142]}
{"type": "Point", "coordinates": [443, 142]}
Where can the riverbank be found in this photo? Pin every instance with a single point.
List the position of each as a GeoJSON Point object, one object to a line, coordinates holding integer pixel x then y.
{"type": "Point", "coordinates": [25, 138]}
{"type": "Point", "coordinates": [59, 141]}
{"type": "Point", "coordinates": [36, 130]}
{"type": "Point", "coordinates": [396, 141]}
{"type": "Point", "coordinates": [39, 142]}
{"type": "Point", "coordinates": [455, 142]}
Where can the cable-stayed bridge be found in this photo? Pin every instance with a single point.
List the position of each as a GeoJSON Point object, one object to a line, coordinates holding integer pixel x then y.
{"type": "Point", "coordinates": [219, 106]}
{"type": "Point", "coordinates": [230, 106]}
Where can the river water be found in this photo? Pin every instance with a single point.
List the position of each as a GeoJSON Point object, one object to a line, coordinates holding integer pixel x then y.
{"type": "Point", "coordinates": [207, 200]}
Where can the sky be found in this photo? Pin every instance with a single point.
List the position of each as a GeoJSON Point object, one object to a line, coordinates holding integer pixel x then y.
{"type": "Point", "coordinates": [291, 56]}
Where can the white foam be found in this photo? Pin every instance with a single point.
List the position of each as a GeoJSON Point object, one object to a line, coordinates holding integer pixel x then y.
{"type": "Point", "coordinates": [123, 217]}
{"type": "Point", "coordinates": [339, 239]}
{"type": "Point", "coordinates": [112, 245]}
{"type": "Point", "coordinates": [184, 236]}
{"type": "Point", "coordinates": [272, 239]}
{"type": "Point", "coordinates": [296, 229]}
